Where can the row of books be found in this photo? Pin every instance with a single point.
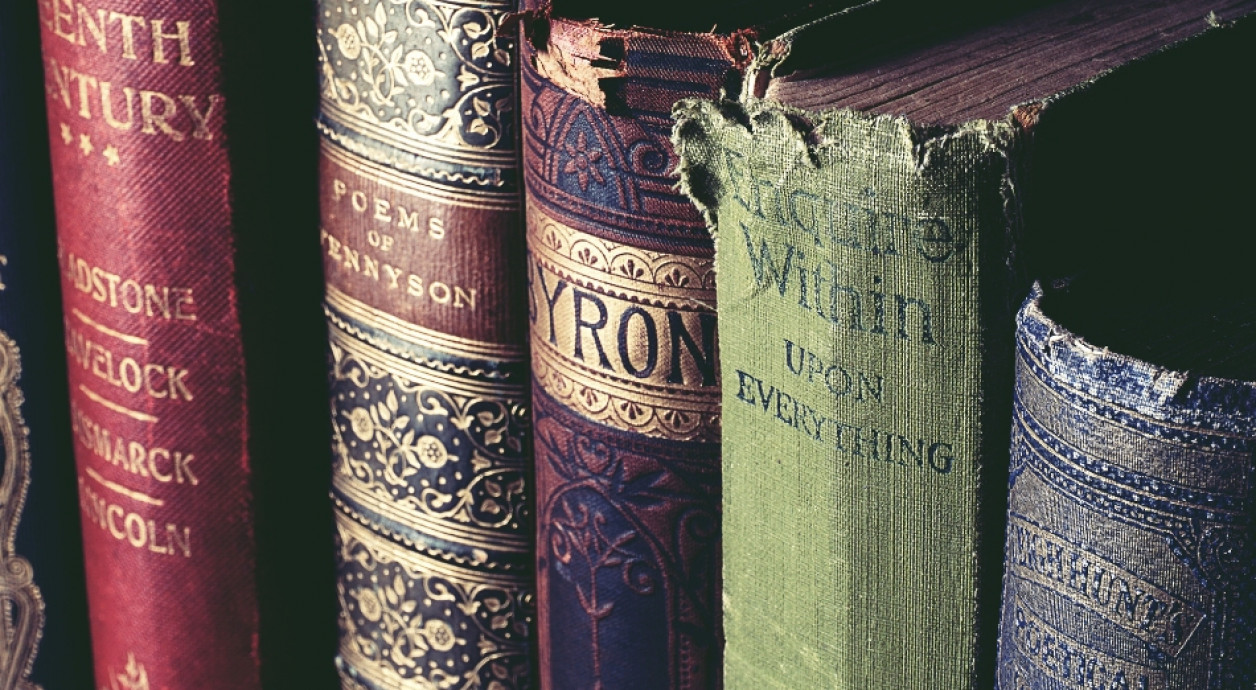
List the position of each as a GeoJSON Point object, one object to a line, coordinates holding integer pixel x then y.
{"type": "Point", "coordinates": [982, 411]}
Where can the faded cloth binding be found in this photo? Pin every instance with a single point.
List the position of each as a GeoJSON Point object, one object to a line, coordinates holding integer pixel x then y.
{"type": "Point", "coordinates": [145, 215]}
{"type": "Point", "coordinates": [1129, 547]}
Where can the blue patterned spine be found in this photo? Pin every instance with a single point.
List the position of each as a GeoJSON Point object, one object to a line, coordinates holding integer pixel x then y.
{"type": "Point", "coordinates": [422, 243]}
{"type": "Point", "coordinates": [1129, 558]}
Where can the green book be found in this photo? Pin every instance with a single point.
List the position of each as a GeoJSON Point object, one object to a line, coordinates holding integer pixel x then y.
{"type": "Point", "coordinates": [876, 221]}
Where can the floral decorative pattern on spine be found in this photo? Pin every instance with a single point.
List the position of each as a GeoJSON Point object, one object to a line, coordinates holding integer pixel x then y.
{"type": "Point", "coordinates": [431, 422]}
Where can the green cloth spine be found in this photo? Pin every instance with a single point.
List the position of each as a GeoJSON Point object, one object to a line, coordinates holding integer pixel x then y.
{"type": "Point", "coordinates": [862, 287]}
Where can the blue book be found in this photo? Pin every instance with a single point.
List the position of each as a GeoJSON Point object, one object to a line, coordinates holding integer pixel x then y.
{"type": "Point", "coordinates": [1130, 561]}
{"type": "Point", "coordinates": [41, 555]}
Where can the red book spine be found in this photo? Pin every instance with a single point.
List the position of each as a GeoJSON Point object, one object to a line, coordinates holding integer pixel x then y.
{"type": "Point", "coordinates": [144, 215]}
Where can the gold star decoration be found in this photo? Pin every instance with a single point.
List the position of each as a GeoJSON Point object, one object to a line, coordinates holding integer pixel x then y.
{"type": "Point", "coordinates": [85, 144]}
{"type": "Point", "coordinates": [66, 135]}
{"type": "Point", "coordinates": [111, 155]}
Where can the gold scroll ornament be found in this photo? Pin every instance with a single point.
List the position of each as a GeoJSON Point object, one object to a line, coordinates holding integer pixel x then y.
{"type": "Point", "coordinates": [21, 604]}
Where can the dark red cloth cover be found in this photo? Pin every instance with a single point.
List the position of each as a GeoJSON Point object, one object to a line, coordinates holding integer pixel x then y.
{"type": "Point", "coordinates": [144, 215]}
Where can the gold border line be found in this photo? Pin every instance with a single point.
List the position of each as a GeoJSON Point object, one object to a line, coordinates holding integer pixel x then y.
{"type": "Point", "coordinates": [135, 495]}
{"type": "Point", "coordinates": [134, 340]}
{"type": "Point", "coordinates": [98, 398]}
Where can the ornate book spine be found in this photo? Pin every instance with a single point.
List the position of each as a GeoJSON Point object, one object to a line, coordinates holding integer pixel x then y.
{"type": "Point", "coordinates": [862, 284]}
{"type": "Point", "coordinates": [41, 552]}
{"type": "Point", "coordinates": [157, 397]}
{"type": "Point", "coordinates": [422, 237]}
{"type": "Point", "coordinates": [1129, 554]}
{"type": "Point", "coordinates": [625, 380]}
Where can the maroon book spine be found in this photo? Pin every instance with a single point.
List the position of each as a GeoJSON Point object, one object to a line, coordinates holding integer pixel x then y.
{"type": "Point", "coordinates": [153, 336]}
{"type": "Point", "coordinates": [625, 394]}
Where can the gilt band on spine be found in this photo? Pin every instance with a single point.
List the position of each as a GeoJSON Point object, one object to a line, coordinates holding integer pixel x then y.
{"type": "Point", "coordinates": [421, 220]}
{"type": "Point", "coordinates": [625, 378]}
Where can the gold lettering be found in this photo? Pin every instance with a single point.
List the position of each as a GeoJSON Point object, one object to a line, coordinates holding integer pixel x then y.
{"type": "Point", "coordinates": [178, 387]}
{"type": "Point", "coordinates": [60, 28]}
{"type": "Point", "coordinates": [96, 28]}
{"type": "Point", "coordinates": [184, 305]}
{"type": "Point", "coordinates": [381, 210]}
{"type": "Point", "coordinates": [162, 464]}
{"type": "Point", "coordinates": [406, 220]}
{"type": "Point", "coordinates": [135, 458]}
{"type": "Point", "coordinates": [393, 274]}
{"type": "Point", "coordinates": [128, 294]}
{"type": "Point", "coordinates": [174, 539]}
{"type": "Point", "coordinates": [159, 298]}
{"type": "Point", "coordinates": [158, 110]}
{"type": "Point", "coordinates": [151, 526]}
{"type": "Point", "coordinates": [127, 21]}
{"type": "Point", "coordinates": [154, 120]}
{"type": "Point", "coordinates": [132, 296]}
{"type": "Point", "coordinates": [111, 512]}
{"type": "Point", "coordinates": [154, 469]}
{"type": "Point", "coordinates": [200, 120]}
{"type": "Point", "coordinates": [379, 240]}
{"type": "Point", "coordinates": [181, 34]}
{"type": "Point", "coordinates": [61, 75]}
{"type": "Point", "coordinates": [131, 527]}
{"type": "Point", "coordinates": [333, 245]}
{"type": "Point", "coordinates": [464, 298]}
{"type": "Point", "coordinates": [159, 381]}
{"type": "Point", "coordinates": [85, 81]}
{"type": "Point", "coordinates": [361, 262]}
{"type": "Point", "coordinates": [351, 258]}
{"type": "Point", "coordinates": [106, 106]}
{"type": "Point", "coordinates": [83, 25]}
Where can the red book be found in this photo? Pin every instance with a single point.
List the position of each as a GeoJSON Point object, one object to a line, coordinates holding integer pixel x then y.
{"type": "Point", "coordinates": [151, 219]}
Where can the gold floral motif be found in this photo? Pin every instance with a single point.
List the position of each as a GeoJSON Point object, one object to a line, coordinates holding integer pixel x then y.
{"type": "Point", "coordinates": [133, 676]}
{"type": "Point", "coordinates": [21, 604]}
{"type": "Point", "coordinates": [407, 621]}
{"type": "Point", "coordinates": [448, 463]}
{"type": "Point", "coordinates": [422, 74]}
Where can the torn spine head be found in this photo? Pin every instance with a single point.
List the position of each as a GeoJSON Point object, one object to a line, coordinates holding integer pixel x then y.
{"type": "Point", "coordinates": [595, 61]}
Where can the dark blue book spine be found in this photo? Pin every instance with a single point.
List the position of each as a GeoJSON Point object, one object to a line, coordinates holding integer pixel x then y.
{"type": "Point", "coordinates": [41, 555]}
{"type": "Point", "coordinates": [1129, 553]}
